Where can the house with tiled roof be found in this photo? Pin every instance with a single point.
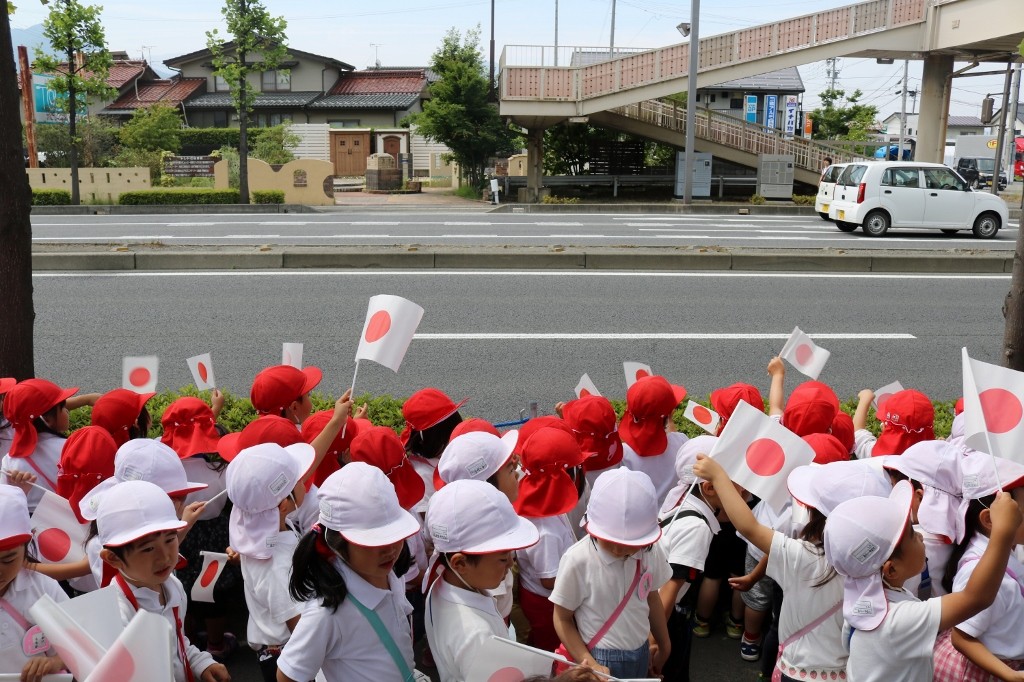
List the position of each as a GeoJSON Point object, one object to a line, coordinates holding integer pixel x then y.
{"type": "Point", "coordinates": [956, 126]}
{"type": "Point", "coordinates": [124, 76]}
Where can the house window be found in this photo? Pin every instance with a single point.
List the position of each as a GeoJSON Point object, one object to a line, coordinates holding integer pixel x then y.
{"type": "Point", "coordinates": [736, 103]}
{"type": "Point", "coordinates": [272, 119]}
{"type": "Point", "coordinates": [220, 119]}
{"type": "Point", "coordinates": [344, 123]}
{"type": "Point", "coordinates": [220, 85]}
{"type": "Point", "coordinates": [711, 99]}
{"type": "Point", "coordinates": [277, 81]}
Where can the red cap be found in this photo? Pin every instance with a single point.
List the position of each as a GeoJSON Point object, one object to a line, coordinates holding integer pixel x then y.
{"type": "Point", "coordinates": [266, 429]}
{"type": "Point", "coordinates": [118, 410]}
{"type": "Point", "coordinates": [86, 460]}
{"type": "Point", "coordinates": [959, 407]}
{"type": "Point", "coordinates": [534, 425]}
{"type": "Point", "coordinates": [425, 408]}
{"type": "Point", "coordinates": [379, 446]}
{"type": "Point", "coordinates": [26, 401]}
{"type": "Point", "coordinates": [907, 417]}
{"type": "Point", "coordinates": [842, 428]}
{"type": "Point", "coordinates": [6, 384]}
{"type": "Point", "coordinates": [827, 448]}
{"type": "Point", "coordinates": [473, 424]}
{"type": "Point", "coordinates": [314, 426]}
{"type": "Point", "coordinates": [725, 400]}
{"type": "Point", "coordinates": [811, 408]}
{"type": "Point", "coordinates": [189, 427]}
{"type": "Point", "coordinates": [547, 489]}
{"type": "Point", "coordinates": [592, 420]}
{"type": "Point", "coordinates": [277, 387]}
{"type": "Point", "coordinates": [648, 402]}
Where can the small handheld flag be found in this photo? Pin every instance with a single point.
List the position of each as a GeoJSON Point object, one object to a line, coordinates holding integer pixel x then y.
{"type": "Point", "coordinates": [634, 371]}
{"type": "Point", "coordinates": [201, 367]}
{"type": "Point", "coordinates": [586, 387]}
{"type": "Point", "coordinates": [139, 373]}
{"type": "Point", "coordinates": [804, 354]}
{"type": "Point", "coordinates": [703, 417]}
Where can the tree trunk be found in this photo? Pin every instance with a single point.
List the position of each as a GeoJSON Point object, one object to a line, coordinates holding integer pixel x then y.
{"type": "Point", "coordinates": [72, 111]}
{"type": "Point", "coordinates": [243, 138]}
{"type": "Point", "coordinates": [1013, 311]}
{"type": "Point", "coordinates": [15, 227]}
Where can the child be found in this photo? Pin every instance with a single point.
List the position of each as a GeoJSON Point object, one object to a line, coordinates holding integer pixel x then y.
{"type": "Point", "coordinates": [889, 633]}
{"type": "Point", "coordinates": [907, 417]}
{"type": "Point", "coordinates": [264, 483]}
{"type": "Point", "coordinates": [647, 447]}
{"type": "Point", "coordinates": [606, 596]}
{"type": "Point", "coordinates": [475, 530]}
{"type": "Point", "coordinates": [23, 648]}
{"type": "Point", "coordinates": [283, 390]}
{"type": "Point", "coordinates": [338, 449]}
{"type": "Point", "coordinates": [6, 432]}
{"type": "Point", "coordinates": [989, 644]}
{"type": "Point", "coordinates": [355, 622]}
{"type": "Point", "coordinates": [546, 494]}
{"type": "Point", "coordinates": [123, 414]}
{"type": "Point", "coordinates": [138, 530]}
{"type": "Point", "coordinates": [811, 408]}
{"type": "Point", "coordinates": [724, 401]}
{"type": "Point", "coordinates": [38, 411]}
{"type": "Point", "coordinates": [592, 420]}
{"type": "Point", "coordinates": [430, 417]}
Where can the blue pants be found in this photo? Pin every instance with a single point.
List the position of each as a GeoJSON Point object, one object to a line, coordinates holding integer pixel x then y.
{"type": "Point", "coordinates": [625, 663]}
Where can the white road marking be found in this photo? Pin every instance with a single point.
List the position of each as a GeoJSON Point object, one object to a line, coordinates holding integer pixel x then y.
{"type": "Point", "coordinates": [516, 336]}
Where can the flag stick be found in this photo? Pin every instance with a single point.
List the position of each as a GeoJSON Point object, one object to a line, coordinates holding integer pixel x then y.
{"type": "Point", "coordinates": [352, 392]}
{"type": "Point", "coordinates": [219, 495]}
{"type": "Point", "coordinates": [34, 485]}
{"type": "Point", "coordinates": [559, 659]}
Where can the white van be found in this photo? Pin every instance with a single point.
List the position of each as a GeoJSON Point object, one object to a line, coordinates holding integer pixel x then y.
{"type": "Point", "coordinates": [878, 195]}
{"type": "Point", "coordinates": [826, 186]}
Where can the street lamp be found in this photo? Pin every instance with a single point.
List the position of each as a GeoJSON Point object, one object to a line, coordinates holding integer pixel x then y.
{"type": "Point", "coordinates": [690, 30]}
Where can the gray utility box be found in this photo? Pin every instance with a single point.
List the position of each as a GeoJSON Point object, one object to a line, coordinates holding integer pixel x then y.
{"type": "Point", "coordinates": [382, 173]}
{"type": "Point", "coordinates": [701, 175]}
{"type": "Point", "coordinates": [775, 176]}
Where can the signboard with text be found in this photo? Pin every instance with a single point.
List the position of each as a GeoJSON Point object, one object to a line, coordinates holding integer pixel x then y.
{"type": "Point", "coordinates": [771, 107]}
{"type": "Point", "coordinates": [791, 105]}
{"type": "Point", "coordinates": [750, 110]}
{"type": "Point", "coordinates": [189, 166]}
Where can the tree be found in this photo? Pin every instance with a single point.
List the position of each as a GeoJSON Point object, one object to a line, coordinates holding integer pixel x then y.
{"type": "Point", "coordinates": [258, 45]}
{"type": "Point", "coordinates": [275, 145]}
{"type": "Point", "coordinates": [96, 146]}
{"type": "Point", "coordinates": [15, 228]}
{"type": "Point", "coordinates": [1013, 304]}
{"type": "Point", "coordinates": [76, 33]}
{"type": "Point", "coordinates": [459, 113]}
{"type": "Point", "coordinates": [843, 118]}
{"type": "Point", "coordinates": [153, 128]}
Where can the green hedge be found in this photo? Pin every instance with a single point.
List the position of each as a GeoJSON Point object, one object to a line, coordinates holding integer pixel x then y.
{"type": "Point", "coordinates": [51, 197]}
{"type": "Point", "coordinates": [151, 197]}
{"type": "Point", "coordinates": [217, 137]}
{"type": "Point", "coordinates": [268, 196]}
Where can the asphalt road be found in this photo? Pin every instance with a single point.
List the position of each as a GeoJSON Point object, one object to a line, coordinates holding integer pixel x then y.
{"type": "Point", "coordinates": [484, 228]}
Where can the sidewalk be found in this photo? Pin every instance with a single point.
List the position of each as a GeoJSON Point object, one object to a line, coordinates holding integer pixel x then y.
{"type": "Point", "coordinates": [430, 196]}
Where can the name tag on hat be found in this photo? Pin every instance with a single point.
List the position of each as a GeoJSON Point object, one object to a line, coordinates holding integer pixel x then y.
{"type": "Point", "coordinates": [278, 484]}
{"type": "Point", "coordinates": [865, 550]}
{"type": "Point", "coordinates": [439, 531]}
{"type": "Point", "coordinates": [474, 468]}
{"type": "Point", "coordinates": [863, 607]}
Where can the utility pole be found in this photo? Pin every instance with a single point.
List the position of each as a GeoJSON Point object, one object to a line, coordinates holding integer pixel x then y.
{"type": "Point", "coordinates": [611, 45]}
{"type": "Point", "coordinates": [492, 51]}
{"type": "Point", "coordinates": [832, 71]}
{"type": "Point", "coordinates": [997, 168]}
{"type": "Point", "coordinates": [556, 32]}
{"type": "Point", "coordinates": [1011, 128]}
{"type": "Point", "coordinates": [903, 112]}
{"type": "Point", "coordinates": [691, 102]}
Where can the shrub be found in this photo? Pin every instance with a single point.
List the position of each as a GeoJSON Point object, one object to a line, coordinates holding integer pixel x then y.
{"type": "Point", "coordinates": [129, 157]}
{"type": "Point", "coordinates": [268, 196]}
{"type": "Point", "coordinates": [804, 199]}
{"type": "Point", "coordinates": [274, 145]}
{"type": "Point", "coordinates": [214, 138]}
{"type": "Point", "coordinates": [468, 192]}
{"type": "Point", "coordinates": [153, 197]}
{"type": "Point", "coordinates": [549, 199]}
{"type": "Point", "coordinates": [51, 197]}
{"type": "Point", "coordinates": [757, 199]}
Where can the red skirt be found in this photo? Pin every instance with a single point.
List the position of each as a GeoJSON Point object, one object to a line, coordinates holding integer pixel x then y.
{"type": "Point", "coordinates": [541, 614]}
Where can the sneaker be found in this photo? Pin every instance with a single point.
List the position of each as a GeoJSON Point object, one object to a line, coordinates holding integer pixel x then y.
{"type": "Point", "coordinates": [750, 651]}
{"type": "Point", "coordinates": [733, 630]}
{"type": "Point", "coordinates": [701, 628]}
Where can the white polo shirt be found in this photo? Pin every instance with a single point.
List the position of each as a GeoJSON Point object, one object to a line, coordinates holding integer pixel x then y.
{"type": "Point", "coordinates": [660, 468]}
{"type": "Point", "coordinates": [901, 647]}
{"type": "Point", "coordinates": [266, 593]}
{"type": "Point", "coordinates": [591, 583]}
{"type": "Point", "coordinates": [541, 560]}
{"type": "Point", "coordinates": [45, 457]}
{"type": "Point", "coordinates": [458, 622]}
{"type": "Point", "coordinates": [22, 594]}
{"type": "Point", "coordinates": [999, 626]}
{"type": "Point", "coordinates": [342, 643]}
{"type": "Point", "coordinates": [686, 540]}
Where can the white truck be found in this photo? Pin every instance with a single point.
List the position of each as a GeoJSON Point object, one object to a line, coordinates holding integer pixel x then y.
{"type": "Point", "coordinates": [974, 159]}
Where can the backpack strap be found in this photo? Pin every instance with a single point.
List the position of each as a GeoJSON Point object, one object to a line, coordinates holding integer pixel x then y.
{"type": "Point", "coordinates": [685, 513]}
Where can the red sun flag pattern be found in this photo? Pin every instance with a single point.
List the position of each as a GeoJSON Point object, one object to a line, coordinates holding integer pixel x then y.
{"type": "Point", "coordinates": [201, 367]}
{"type": "Point", "coordinates": [390, 326]}
{"type": "Point", "coordinates": [502, 660]}
{"type": "Point", "coordinates": [213, 566]}
{"type": "Point", "coordinates": [139, 652]}
{"type": "Point", "coordinates": [703, 417]}
{"type": "Point", "coordinates": [61, 538]}
{"type": "Point", "coordinates": [765, 457]}
{"type": "Point", "coordinates": [586, 387]}
{"type": "Point", "coordinates": [885, 392]}
{"type": "Point", "coordinates": [634, 371]}
{"type": "Point", "coordinates": [801, 352]}
{"type": "Point", "coordinates": [210, 573]}
{"type": "Point", "coordinates": [702, 414]}
{"type": "Point", "coordinates": [993, 409]}
{"type": "Point", "coordinates": [378, 326]}
{"type": "Point", "coordinates": [54, 544]}
{"type": "Point", "coordinates": [203, 372]}
{"type": "Point", "coordinates": [1001, 408]}
{"type": "Point", "coordinates": [291, 354]}
{"type": "Point", "coordinates": [139, 374]}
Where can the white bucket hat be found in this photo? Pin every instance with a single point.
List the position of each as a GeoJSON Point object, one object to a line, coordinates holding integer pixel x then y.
{"type": "Point", "coordinates": [476, 455]}
{"type": "Point", "coordinates": [623, 508]}
{"type": "Point", "coordinates": [258, 479]}
{"type": "Point", "coordinates": [14, 520]}
{"type": "Point", "coordinates": [860, 535]}
{"type": "Point", "coordinates": [824, 487]}
{"type": "Point", "coordinates": [360, 502]}
{"type": "Point", "coordinates": [686, 457]}
{"type": "Point", "coordinates": [936, 465]}
{"type": "Point", "coordinates": [134, 509]}
{"type": "Point", "coordinates": [474, 517]}
{"type": "Point", "coordinates": [980, 478]}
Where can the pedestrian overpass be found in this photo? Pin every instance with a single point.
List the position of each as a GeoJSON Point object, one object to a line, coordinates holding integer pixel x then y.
{"type": "Point", "coordinates": [542, 86]}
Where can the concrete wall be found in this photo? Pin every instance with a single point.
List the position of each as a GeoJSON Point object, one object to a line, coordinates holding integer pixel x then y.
{"type": "Point", "coordinates": [302, 180]}
{"type": "Point", "coordinates": [95, 185]}
{"type": "Point", "coordinates": [517, 165]}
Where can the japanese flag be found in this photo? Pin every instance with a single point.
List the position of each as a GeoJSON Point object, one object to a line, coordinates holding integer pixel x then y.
{"type": "Point", "coordinates": [586, 387]}
{"type": "Point", "coordinates": [140, 654]}
{"type": "Point", "coordinates": [803, 354]}
{"type": "Point", "coordinates": [391, 323]}
{"type": "Point", "coordinates": [73, 643]}
{"type": "Point", "coordinates": [213, 566]}
{"type": "Point", "coordinates": [758, 453]}
{"type": "Point", "coordinates": [993, 411]}
{"type": "Point", "coordinates": [291, 354]}
{"type": "Point", "coordinates": [503, 660]}
{"type": "Point", "coordinates": [139, 374]}
{"type": "Point", "coordinates": [59, 535]}
{"type": "Point", "coordinates": [202, 371]}
{"type": "Point", "coordinates": [882, 394]}
{"type": "Point", "coordinates": [634, 371]}
{"type": "Point", "coordinates": [703, 417]}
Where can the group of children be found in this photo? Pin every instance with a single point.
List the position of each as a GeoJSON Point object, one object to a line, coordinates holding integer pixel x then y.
{"type": "Point", "coordinates": [364, 554]}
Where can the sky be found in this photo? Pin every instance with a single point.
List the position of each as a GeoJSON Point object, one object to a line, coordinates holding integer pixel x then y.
{"type": "Point", "coordinates": [403, 33]}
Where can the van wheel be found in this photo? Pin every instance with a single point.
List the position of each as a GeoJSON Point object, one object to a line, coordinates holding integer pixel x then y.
{"type": "Point", "coordinates": [876, 224]}
{"type": "Point", "coordinates": [986, 226]}
{"type": "Point", "coordinates": [950, 231]}
{"type": "Point", "coordinates": [846, 227]}
{"type": "Point", "coordinates": [824, 216]}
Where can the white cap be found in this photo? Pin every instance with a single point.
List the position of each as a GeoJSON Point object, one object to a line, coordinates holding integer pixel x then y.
{"type": "Point", "coordinates": [936, 465]}
{"type": "Point", "coordinates": [133, 509]}
{"type": "Point", "coordinates": [623, 508]}
{"type": "Point", "coordinates": [258, 479]}
{"type": "Point", "coordinates": [474, 517]}
{"type": "Point", "coordinates": [980, 478]}
{"type": "Point", "coordinates": [686, 457]}
{"type": "Point", "coordinates": [825, 486]}
{"type": "Point", "coordinates": [476, 455]}
{"type": "Point", "coordinates": [360, 502]}
{"type": "Point", "coordinates": [860, 535]}
{"type": "Point", "coordinates": [14, 521]}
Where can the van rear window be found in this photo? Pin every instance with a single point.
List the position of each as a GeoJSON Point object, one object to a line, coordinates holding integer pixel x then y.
{"type": "Point", "coordinates": [852, 175]}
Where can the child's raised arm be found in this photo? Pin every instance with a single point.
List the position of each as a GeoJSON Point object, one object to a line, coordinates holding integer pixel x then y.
{"type": "Point", "coordinates": [981, 589]}
{"type": "Point", "coordinates": [737, 510]}
{"type": "Point", "coordinates": [860, 417]}
{"type": "Point", "coordinates": [342, 410]}
{"type": "Point", "coordinates": [777, 390]}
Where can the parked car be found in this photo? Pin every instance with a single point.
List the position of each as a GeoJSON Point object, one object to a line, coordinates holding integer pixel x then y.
{"type": "Point", "coordinates": [826, 186]}
{"type": "Point", "coordinates": [978, 170]}
{"type": "Point", "coordinates": [892, 194]}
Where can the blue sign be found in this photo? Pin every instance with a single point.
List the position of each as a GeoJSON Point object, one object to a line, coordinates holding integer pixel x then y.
{"type": "Point", "coordinates": [771, 105]}
{"type": "Point", "coordinates": [750, 113]}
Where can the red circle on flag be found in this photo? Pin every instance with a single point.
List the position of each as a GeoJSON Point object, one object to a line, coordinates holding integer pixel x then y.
{"type": "Point", "coordinates": [119, 660]}
{"type": "Point", "coordinates": [379, 325]}
{"type": "Point", "coordinates": [203, 372]}
{"type": "Point", "coordinates": [1002, 410]}
{"type": "Point", "coordinates": [642, 373]}
{"type": "Point", "coordinates": [702, 415]}
{"type": "Point", "coordinates": [54, 544]}
{"type": "Point", "coordinates": [584, 393]}
{"type": "Point", "coordinates": [508, 674]}
{"type": "Point", "coordinates": [765, 457]}
{"type": "Point", "coordinates": [210, 574]}
{"type": "Point", "coordinates": [804, 353]}
{"type": "Point", "coordinates": [139, 376]}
